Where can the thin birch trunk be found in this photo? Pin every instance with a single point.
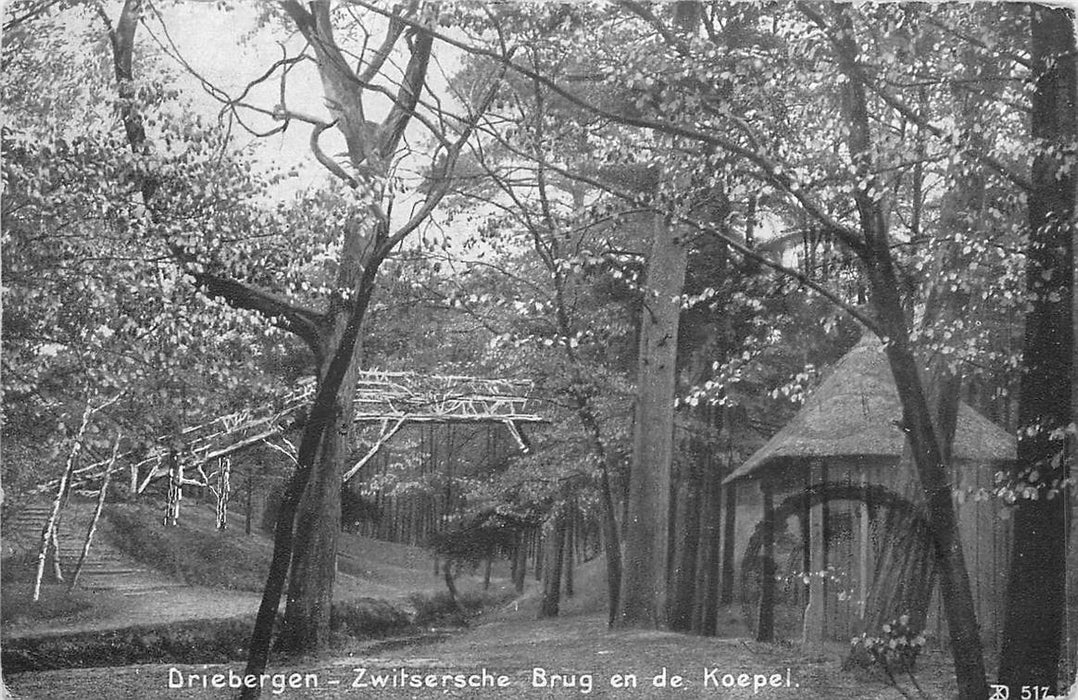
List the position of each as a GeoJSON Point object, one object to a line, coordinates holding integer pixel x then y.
{"type": "Point", "coordinates": [97, 515]}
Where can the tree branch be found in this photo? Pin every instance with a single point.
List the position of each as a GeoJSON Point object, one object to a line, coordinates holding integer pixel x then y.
{"type": "Point", "coordinates": [327, 162]}
{"type": "Point", "coordinates": [415, 76]}
{"type": "Point", "coordinates": [393, 33]}
{"type": "Point", "coordinates": [973, 153]}
{"type": "Point", "coordinates": [452, 154]}
{"type": "Point", "coordinates": [710, 230]}
{"type": "Point", "coordinates": [771, 171]}
{"type": "Point", "coordinates": [644, 12]}
{"type": "Point", "coordinates": [304, 322]}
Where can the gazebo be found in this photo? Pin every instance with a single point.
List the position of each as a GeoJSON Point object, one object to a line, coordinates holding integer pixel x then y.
{"type": "Point", "coordinates": [841, 469]}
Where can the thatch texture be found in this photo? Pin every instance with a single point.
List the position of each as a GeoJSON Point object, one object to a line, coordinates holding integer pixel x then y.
{"type": "Point", "coordinates": [855, 414]}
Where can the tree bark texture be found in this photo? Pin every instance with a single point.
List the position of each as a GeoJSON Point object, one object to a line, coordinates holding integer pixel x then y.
{"type": "Point", "coordinates": [643, 582]}
{"type": "Point", "coordinates": [1036, 594]}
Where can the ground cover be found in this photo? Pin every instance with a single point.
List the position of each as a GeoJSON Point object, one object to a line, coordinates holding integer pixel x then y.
{"type": "Point", "coordinates": [576, 648]}
{"type": "Point", "coordinates": [538, 659]}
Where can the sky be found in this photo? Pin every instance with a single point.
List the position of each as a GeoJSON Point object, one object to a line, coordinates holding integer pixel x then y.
{"type": "Point", "coordinates": [230, 48]}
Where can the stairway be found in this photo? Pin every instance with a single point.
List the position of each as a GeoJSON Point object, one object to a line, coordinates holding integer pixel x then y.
{"type": "Point", "coordinates": [105, 568]}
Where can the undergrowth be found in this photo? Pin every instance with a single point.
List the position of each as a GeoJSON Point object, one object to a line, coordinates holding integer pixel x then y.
{"type": "Point", "coordinates": [188, 642]}
{"type": "Point", "coordinates": [440, 608]}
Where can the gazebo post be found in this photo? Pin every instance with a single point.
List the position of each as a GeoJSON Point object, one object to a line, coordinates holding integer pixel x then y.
{"type": "Point", "coordinates": [814, 611]}
{"type": "Point", "coordinates": [863, 553]}
{"type": "Point", "coordinates": [765, 621]}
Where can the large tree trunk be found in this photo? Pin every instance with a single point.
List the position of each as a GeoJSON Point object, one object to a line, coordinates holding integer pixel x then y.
{"type": "Point", "coordinates": [306, 623]}
{"type": "Point", "coordinates": [1036, 592]}
{"type": "Point", "coordinates": [643, 581]}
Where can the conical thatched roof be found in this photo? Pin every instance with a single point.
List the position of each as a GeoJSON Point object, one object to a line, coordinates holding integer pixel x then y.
{"type": "Point", "coordinates": [854, 415]}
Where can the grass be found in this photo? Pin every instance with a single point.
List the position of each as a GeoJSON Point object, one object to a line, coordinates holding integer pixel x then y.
{"type": "Point", "coordinates": [55, 604]}
{"type": "Point", "coordinates": [187, 552]}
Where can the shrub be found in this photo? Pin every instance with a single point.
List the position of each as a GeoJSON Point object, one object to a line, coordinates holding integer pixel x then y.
{"type": "Point", "coordinates": [18, 568]}
{"type": "Point", "coordinates": [191, 642]}
{"type": "Point", "coordinates": [895, 650]}
{"type": "Point", "coordinates": [55, 604]}
{"type": "Point", "coordinates": [367, 617]}
{"type": "Point", "coordinates": [440, 608]}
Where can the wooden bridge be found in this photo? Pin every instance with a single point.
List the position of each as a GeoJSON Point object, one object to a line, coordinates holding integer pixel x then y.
{"type": "Point", "coordinates": [388, 399]}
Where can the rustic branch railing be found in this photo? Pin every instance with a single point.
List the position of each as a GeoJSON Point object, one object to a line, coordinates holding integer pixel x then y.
{"type": "Point", "coordinates": [391, 399]}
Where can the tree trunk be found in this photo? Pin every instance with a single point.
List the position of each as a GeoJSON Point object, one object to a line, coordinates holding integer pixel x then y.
{"type": "Point", "coordinates": [643, 581]}
{"type": "Point", "coordinates": [101, 496]}
{"type": "Point", "coordinates": [306, 623]}
{"type": "Point", "coordinates": [450, 583]}
{"type": "Point", "coordinates": [928, 459]}
{"type": "Point", "coordinates": [875, 253]}
{"type": "Point", "coordinates": [552, 573]}
{"type": "Point", "coordinates": [310, 589]}
{"type": "Point", "coordinates": [48, 532]}
{"type": "Point", "coordinates": [687, 548]}
{"type": "Point", "coordinates": [250, 496]}
{"type": "Point", "coordinates": [712, 562]}
{"type": "Point", "coordinates": [570, 547]}
{"type": "Point", "coordinates": [1036, 592]}
{"type": "Point", "coordinates": [520, 562]}
{"type": "Point", "coordinates": [611, 543]}
{"type": "Point", "coordinates": [729, 523]}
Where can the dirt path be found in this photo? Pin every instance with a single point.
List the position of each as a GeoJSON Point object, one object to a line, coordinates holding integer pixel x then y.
{"type": "Point", "coordinates": [570, 657]}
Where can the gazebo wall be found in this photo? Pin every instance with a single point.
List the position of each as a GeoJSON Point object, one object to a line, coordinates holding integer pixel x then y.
{"type": "Point", "coordinates": [983, 523]}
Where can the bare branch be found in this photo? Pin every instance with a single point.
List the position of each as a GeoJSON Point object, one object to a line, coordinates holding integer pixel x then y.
{"type": "Point", "coordinates": [451, 156]}
{"type": "Point", "coordinates": [327, 162]}
{"type": "Point", "coordinates": [393, 32]}
{"type": "Point", "coordinates": [415, 76]}
{"type": "Point", "coordinates": [33, 12]}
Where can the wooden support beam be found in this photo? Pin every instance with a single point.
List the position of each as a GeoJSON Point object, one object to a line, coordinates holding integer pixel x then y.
{"type": "Point", "coordinates": [378, 445]}
{"type": "Point", "coordinates": [518, 436]}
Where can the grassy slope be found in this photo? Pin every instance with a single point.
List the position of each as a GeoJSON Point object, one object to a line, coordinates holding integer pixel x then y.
{"type": "Point", "coordinates": [226, 570]}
